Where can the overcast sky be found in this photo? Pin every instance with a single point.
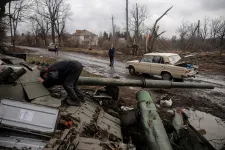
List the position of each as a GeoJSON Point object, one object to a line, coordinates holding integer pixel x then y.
{"type": "Point", "coordinates": [95, 15]}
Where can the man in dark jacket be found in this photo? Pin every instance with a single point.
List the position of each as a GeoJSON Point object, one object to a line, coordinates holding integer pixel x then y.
{"type": "Point", "coordinates": [64, 73]}
{"type": "Point", "coordinates": [111, 55]}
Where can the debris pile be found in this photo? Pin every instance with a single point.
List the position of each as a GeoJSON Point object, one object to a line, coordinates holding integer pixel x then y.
{"type": "Point", "coordinates": [33, 117]}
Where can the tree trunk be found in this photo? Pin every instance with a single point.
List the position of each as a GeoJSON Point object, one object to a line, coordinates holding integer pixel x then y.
{"type": "Point", "coordinates": [14, 36]}
{"type": "Point", "coordinates": [10, 22]}
{"type": "Point", "coordinates": [53, 31]}
{"type": "Point", "coordinates": [59, 39]}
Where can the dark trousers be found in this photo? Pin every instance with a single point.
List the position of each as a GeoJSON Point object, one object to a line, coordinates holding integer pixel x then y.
{"type": "Point", "coordinates": [70, 83]}
{"type": "Point", "coordinates": [111, 60]}
{"type": "Point", "coordinates": [56, 51]}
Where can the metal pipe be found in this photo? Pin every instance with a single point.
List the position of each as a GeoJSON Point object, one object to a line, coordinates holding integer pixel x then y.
{"type": "Point", "coordinates": [140, 83]}
{"type": "Point", "coordinates": [13, 77]}
{"type": "Point", "coordinates": [152, 125]}
{"type": "Point", "coordinates": [5, 74]}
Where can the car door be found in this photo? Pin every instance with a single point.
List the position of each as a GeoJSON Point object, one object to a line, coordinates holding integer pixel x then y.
{"type": "Point", "coordinates": [144, 65]}
{"type": "Point", "coordinates": [157, 65]}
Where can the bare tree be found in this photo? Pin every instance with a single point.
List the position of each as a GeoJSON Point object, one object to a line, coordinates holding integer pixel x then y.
{"type": "Point", "coordinates": [35, 30]}
{"type": "Point", "coordinates": [61, 16]}
{"type": "Point", "coordinates": [210, 35]}
{"type": "Point", "coordinates": [50, 9]}
{"type": "Point", "coordinates": [204, 32]}
{"type": "Point", "coordinates": [43, 26]}
{"type": "Point", "coordinates": [139, 14]}
{"type": "Point", "coordinates": [20, 12]}
{"type": "Point", "coordinates": [155, 28]}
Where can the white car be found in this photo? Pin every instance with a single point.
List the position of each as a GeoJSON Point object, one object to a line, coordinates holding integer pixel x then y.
{"type": "Point", "coordinates": [52, 46]}
{"type": "Point", "coordinates": [168, 65]}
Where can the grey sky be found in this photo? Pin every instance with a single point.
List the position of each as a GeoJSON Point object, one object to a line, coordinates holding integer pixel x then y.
{"type": "Point", "coordinates": [94, 15]}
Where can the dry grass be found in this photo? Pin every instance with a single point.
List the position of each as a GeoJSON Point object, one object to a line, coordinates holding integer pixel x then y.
{"type": "Point", "coordinates": [85, 73]}
{"type": "Point", "coordinates": [41, 59]}
{"type": "Point", "coordinates": [83, 50]}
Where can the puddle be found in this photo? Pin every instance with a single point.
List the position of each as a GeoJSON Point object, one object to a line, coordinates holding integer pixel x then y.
{"type": "Point", "coordinates": [214, 127]}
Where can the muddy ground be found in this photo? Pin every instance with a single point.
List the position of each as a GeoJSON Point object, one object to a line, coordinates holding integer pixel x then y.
{"type": "Point", "coordinates": [212, 70]}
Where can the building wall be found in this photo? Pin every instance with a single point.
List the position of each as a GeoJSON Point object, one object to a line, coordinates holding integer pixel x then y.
{"type": "Point", "coordinates": [88, 40]}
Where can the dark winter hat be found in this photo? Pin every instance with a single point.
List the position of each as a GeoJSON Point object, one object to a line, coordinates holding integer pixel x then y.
{"type": "Point", "coordinates": [43, 71]}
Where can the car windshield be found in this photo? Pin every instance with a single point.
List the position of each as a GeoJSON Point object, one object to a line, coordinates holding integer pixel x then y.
{"type": "Point", "coordinates": [173, 59]}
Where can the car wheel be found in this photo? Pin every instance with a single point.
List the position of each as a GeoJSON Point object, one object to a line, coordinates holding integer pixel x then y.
{"type": "Point", "coordinates": [132, 70]}
{"type": "Point", "coordinates": [166, 76]}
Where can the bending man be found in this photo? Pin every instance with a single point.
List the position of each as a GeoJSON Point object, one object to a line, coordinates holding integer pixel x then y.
{"type": "Point", "coordinates": [64, 73]}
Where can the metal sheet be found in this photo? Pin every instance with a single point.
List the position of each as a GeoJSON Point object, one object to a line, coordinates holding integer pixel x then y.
{"type": "Point", "coordinates": [84, 146]}
{"type": "Point", "coordinates": [12, 92]}
{"type": "Point", "coordinates": [30, 76]}
{"type": "Point", "coordinates": [28, 116]}
{"type": "Point", "coordinates": [89, 107]}
{"type": "Point", "coordinates": [110, 124]}
{"type": "Point", "coordinates": [72, 109]}
{"type": "Point", "coordinates": [35, 90]}
{"type": "Point", "coordinates": [86, 111]}
{"type": "Point", "coordinates": [22, 143]}
{"type": "Point", "coordinates": [88, 144]}
{"type": "Point", "coordinates": [47, 101]}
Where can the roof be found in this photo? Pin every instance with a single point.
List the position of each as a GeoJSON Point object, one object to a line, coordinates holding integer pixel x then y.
{"type": "Point", "coordinates": [84, 33]}
{"type": "Point", "coordinates": [161, 54]}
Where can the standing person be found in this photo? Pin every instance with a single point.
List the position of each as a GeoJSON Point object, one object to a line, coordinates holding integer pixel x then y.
{"type": "Point", "coordinates": [64, 73]}
{"type": "Point", "coordinates": [56, 49]}
{"type": "Point", "coordinates": [111, 55]}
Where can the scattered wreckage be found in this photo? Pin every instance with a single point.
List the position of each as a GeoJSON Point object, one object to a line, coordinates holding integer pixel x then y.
{"type": "Point", "coordinates": [33, 117]}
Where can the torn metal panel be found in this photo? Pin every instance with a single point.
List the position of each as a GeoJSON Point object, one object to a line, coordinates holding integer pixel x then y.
{"type": "Point", "coordinates": [89, 140]}
{"type": "Point", "coordinates": [35, 90]}
{"type": "Point", "coordinates": [110, 124]}
{"type": "Point", "coordinates": [88, 144]}
{"type": "Point", "coordinates": [21, 143]}
{"type": "Point", "coordinates": [84, 146]}
{"type": "Point", "coordinates": [29, 116]}
{"type": "Point", "coordinates": [86, 111]}
{"type": "Point", "coordinates": [72, 109]}
{"type": "Point", "coordinates": [90, 107]}
{"type": "Point", "coordinates": [15, 92]}
{"type": "Point", "coordinates": [82, 117]}
{"type": "Point", "coordinates": [47, 101]}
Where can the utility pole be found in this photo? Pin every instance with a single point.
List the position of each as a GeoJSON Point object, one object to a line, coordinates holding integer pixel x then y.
{"type": "Point", "coordinates": [198, 29]}
{"type": "Point", "coordinates": [137, 26]}
{"type": "Point", "coordinates": [113, 28]}
{"type": "Point", "coordinates": [127, 20]}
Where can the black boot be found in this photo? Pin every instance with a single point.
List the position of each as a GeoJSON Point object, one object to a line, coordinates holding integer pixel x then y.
{"type": "Point", "coordinates": [80, 94]}
{"type": "Point", "coordinates": [73, 102]}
